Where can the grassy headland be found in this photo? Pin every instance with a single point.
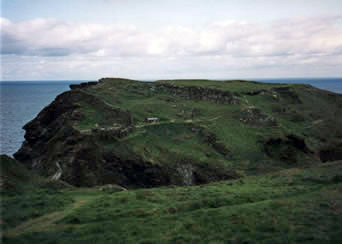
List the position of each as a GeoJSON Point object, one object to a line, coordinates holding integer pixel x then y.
{"type": "Point", "coordinates": [221, 162]}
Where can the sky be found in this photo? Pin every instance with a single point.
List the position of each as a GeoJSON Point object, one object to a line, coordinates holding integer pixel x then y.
{"type": "Point", "coordinates": [163, 39]}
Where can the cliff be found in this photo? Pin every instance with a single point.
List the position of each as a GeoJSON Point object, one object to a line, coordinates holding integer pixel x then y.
{"type": "Point", "coordinates": [98, 133]}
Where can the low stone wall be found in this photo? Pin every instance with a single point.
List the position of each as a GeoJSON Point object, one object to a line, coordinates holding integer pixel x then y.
{"type": "Point", "coordinates": [199, 93]}
{"type": "Point", "coordinates": [113, 133]}
{"type": "Point", "coordinates": [83, 85]}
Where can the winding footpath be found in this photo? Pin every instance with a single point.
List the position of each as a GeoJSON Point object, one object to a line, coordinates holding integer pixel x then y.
{"type": "Point", "coordinates": [46, 222]}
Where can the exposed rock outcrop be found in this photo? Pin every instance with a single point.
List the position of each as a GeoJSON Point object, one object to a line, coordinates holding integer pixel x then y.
{"type": "Point", "coordinates": [288, 149]}
{"type": "Point", "coordinates": [255, 117]}
{"type": "Point", "coordinates": [200, 93]}
{"type": "Point", "coordinates": [288, 94]}
{"type": "Point", "coordinates": [97, 133]}
{"type": "Point", "coordinates": [83, 85]}
{"type": "Point", "coordinates": [51, 139]}
{"type": "Point", "coordinates": [56, 149]}
{"type": "Point", "coordinates": [331, 153]}
{"type": "Point", "coordinates": [113, 133]}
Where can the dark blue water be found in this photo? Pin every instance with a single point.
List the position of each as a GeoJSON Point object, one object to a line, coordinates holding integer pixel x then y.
{"type": "Point", "coordinates": [330, 84]}
{"type": "Point", "coordinates": [22, 101]}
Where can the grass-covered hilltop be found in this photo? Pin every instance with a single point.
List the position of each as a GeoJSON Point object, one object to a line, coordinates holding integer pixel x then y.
{"type": "Point", "coordinates": [181, 132]}
{"type": "Point", "coordinates": [178, 161]}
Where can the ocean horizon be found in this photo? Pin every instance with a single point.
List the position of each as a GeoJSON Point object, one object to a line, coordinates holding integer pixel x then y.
{"type": "Point", "coordinates": [21, 101]}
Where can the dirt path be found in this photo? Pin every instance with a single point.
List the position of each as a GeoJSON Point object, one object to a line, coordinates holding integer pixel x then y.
{"type": "Point", "coordinates": [178, 122]}
{"type": "Point", "coordinates": [173, 121]}
{"type": "Point", "coordinates": [45, 222]}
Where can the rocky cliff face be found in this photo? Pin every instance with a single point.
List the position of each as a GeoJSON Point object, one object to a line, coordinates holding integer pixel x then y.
{"type": "Point", "coordinates": [200, 93]}
{"type": "Point", "coordinates": [97, 133]}
{"type": "Point", "coordinates": [53, 145]}
{"type": "Point", "coordinates": [51, 139]}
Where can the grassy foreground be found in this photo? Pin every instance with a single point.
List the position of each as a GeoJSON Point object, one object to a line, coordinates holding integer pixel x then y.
{"type": "Point", "coordinates": [289, 206]}
{"type": "Point", "coordinates": [267, 141]}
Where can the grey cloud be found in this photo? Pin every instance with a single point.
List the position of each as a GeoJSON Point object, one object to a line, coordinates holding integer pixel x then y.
{"type": "Point", "coordinates": [283, 38]}
{"type": "Point", "coordinates": [229, 46]}
{"type": "Point", "coordinates": [54, 52]}
{"type": "Point", "coordinates": [10, 45]}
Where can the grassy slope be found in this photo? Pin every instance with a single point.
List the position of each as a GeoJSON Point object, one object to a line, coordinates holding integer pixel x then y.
{"type": "Point", "coordinates": [25, 195]}
{"type": "Point", "coordinates": [290, 206]}
{"type": "Point", "coordinates": [228, 85]}
{"type": "Point", "coordinates": [311, 119]}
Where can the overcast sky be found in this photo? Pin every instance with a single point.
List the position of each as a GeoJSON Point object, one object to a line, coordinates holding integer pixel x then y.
{"type": "Point", "coordinates": [158, 39]}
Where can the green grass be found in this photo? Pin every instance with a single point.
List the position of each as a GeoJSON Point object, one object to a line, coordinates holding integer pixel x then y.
{"type": "Point", "coordinates": [289, 206]}
{"type": "Point", "coordinates": [26, 195]}
{"type": "Point", "coordinates": [31, 204]}
{"type": "Point", "coordinates": [286, 201]}
{"type": "Point", "coordinates": [244, 140]}
{"type": "Point", "coordinates": [228, 85]}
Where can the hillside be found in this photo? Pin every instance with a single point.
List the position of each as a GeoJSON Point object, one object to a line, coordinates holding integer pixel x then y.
{"type": "Point", "coordinates": [199, 131]}
{"type": "Point", "coordinates": [229, 162]}
{"type": "Point", "coordinates": [289, 206]}
{"type": "Point", "coordinates": [26, 195]}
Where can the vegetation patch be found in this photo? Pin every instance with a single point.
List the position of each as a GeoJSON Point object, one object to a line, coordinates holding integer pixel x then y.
{"type": "Point", "coordinates": [288, 149]}
{"type": "Point", "coordinates": [116, 131]}
{"type": "Point", "coordinates": [292, 205]}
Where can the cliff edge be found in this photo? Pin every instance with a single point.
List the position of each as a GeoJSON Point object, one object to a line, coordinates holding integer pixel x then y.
{"type": "Point", "coordinates": [181, 132]}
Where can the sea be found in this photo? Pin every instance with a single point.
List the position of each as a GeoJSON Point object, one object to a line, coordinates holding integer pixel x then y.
{"type": "Point", "coordinates": [21, 101]}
